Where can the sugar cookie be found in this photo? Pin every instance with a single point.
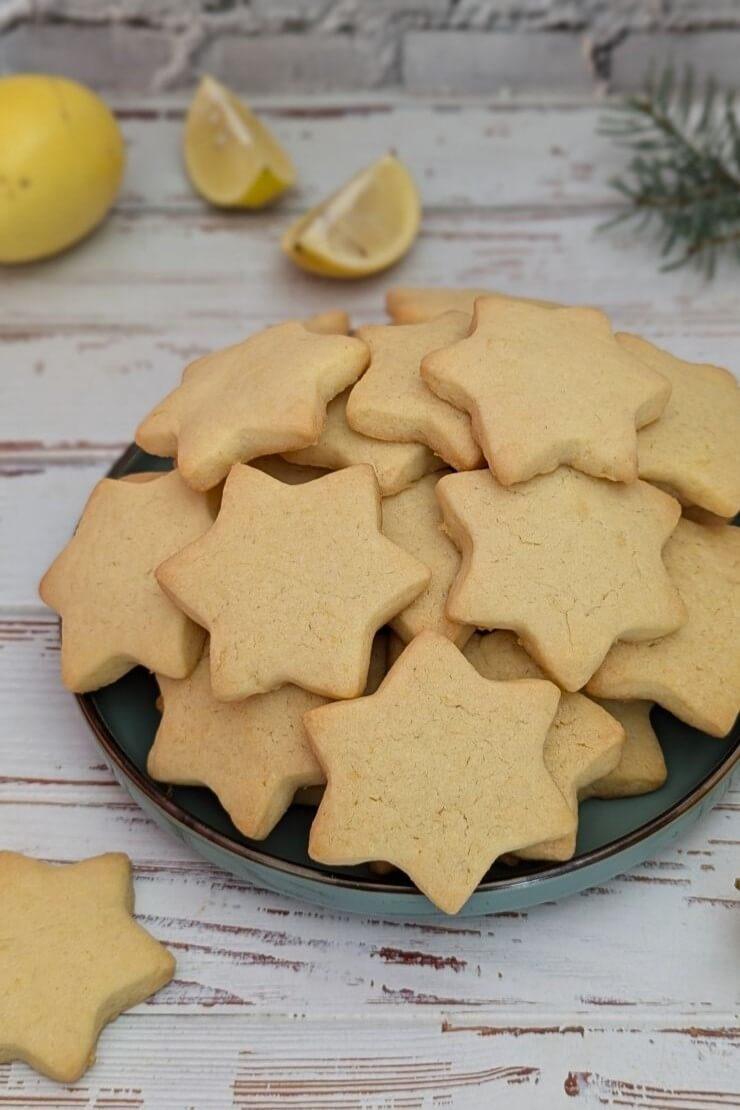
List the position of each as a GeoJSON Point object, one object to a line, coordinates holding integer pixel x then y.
{"type": "Point", "coordinates": [114, 615]}
{"type": "Point", "coordinates": [641, 768]}
{"type": "Point", "coordinates": [72, 958]}
{"type": "Point", "coordinates": [392, 402]}
{"type": "Point", "coordinates": [412, 519]}
{"type": "Point", "coordinates": [253, 754]}
{"type": "Point", "coordinates": [546, 386]}
{"type": "Point", "coordinates": [415, 304]}
{"type": "Point", "coordinates": [396, 465]}
{"type": "Point", "coordinates": [694, 673]}
{"type": "Point", "coordinates": [292, 582]}
{"type": "Point", "coordinates": [583, 744]}
{"type": "Point", "coordinates": [566, 561]}
{"type": "Point", "coordinates": [439, 772]}
{"type": "Point", "coordinates": [693, 448]}
{"type": "Point", "coordinates": [260, 397]}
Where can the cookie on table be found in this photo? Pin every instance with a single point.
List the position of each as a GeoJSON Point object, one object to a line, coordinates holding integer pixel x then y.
{"type": "Point", "coordinates": [438, 773]}
{"type": "Point", "coordinates": [695, 672]}
{"type": "Point", "coordinates": [415, 304]}
{"type": "Point", "coordinates": [693, 448]}
{"type": "Point", "coordinates": [72, 958]}
{"type": "Point", "coordinates": [253, 754]}
{"type": "Point", "coordinates": [568, 562]}
{"type": "Point", "coordinates": [548, 386]}
{"type": "Point", "coordinates": [396, 465]}
{"type": "Point", "coordinates": [114, 614]}
{"type": "Point", "coordinates": [392, 402]}
{"type": "Point", "coordinates": [293, 582]}
{"type": "Point", "coordinates": [641, 768]}
{"type": "Point", "coordinates": [413, 520]}
{"type": "Point", "coordinates": [260, 397]}
{"type": "Point", "coordinates": [583, 744]}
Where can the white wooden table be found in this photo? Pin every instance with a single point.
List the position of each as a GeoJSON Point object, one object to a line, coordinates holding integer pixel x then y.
{"type": "Point", "coordinates": [623, 996]}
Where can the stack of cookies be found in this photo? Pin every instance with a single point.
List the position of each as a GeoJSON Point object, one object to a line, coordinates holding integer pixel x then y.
{"type": "Point", "coordinates": [431, 576]}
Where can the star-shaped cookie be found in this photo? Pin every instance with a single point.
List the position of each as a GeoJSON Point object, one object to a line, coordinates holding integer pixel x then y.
{"type": "Point", "coordinates": [72, 958]}
{"type": "Point", "coordinates": [334, 321]}
{"type": "Point", "coordinates": [253, 754]}
{"type": "Point", "coordinates": [641, 768]}
{"type": "Point", "coordinates": [415, 304]}
{"type": "Point", "coordinates": [292, 582]}
{"type": "Point", "coordinates": [396, 465]}
{"type": "Point", "coordinates": [569, 563]}
{"type": "Point", "coordinates": [114, 615]}
{"type": "Point", "coordinates": [440, 772]}
{"type": "Point", "coordinates": [413, 520]}
{"type": "Point", "coordinates": [694, 673]}
{"type": "Point", "coordinates": [261, 397]}
{"type": "Point", "coordinates": [693, 448]}
{"type": "Point", "coordinates": [392, 402]}
{"type": "Point", "coordinates": [546, 386]}
{"type": "Point", "coordinates": [584, 742]}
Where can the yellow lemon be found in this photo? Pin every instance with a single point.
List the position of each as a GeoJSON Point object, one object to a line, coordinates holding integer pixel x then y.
{"type": "Point", "coordinates": [61, 163]}
{"type": "Point", "coordinates": [232, 159]}
{"type": "Point", "coordinates": [365, 226]}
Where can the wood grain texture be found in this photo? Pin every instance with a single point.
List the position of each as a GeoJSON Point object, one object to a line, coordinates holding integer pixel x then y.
{"type": "Point", "coordinates": [623, 996]}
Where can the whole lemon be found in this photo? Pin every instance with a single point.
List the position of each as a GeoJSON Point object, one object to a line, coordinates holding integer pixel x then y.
{"type": "Point", "coordinates": [61, 162]}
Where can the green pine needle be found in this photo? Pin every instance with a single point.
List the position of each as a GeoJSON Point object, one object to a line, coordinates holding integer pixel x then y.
{"type": "Point", "coordinates": [684, 174]}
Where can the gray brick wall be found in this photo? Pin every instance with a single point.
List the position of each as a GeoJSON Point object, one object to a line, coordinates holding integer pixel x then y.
{"type": "Point", "coordinates": [424, 46]}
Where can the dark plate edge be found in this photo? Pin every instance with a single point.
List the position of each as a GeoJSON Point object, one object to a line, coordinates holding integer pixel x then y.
{"type": "Point", "coordinates": [159, 798]}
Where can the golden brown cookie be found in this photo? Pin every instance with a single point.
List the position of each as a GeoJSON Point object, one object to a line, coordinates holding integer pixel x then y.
{"type": "Point", "coordinates": [334, 321]}
{"type": "Point", "coordinates": [72, 958]}
{"type": "Point", "coordinates": [583, 744]}
{"type": "Point", "coordinates": [693, 448]}
{"type": "Point", "coordinates": [546, 386]}
{"type": "Point", "coordinates": [392, 402]}
{"type": "Point", "coordinates": [415, 304]}
{"type": "Point", "coordinates": [261, 397]}
{"type": "Point", "coordinates": [396, 465]}
{"type": "Point", "coordinates": [114, 615]}
{"type": "Point", "coordinates": [312, 795]}
{"type": "Point", "coordinates": [293, 582]}
{"type": "Point", "coordinates": [566, 561]}
{"type": "Point", "coordinates": [413, 520]}
{"type": "Point", "coordinates": [641, 768]}
{"type": "Point", "coordinates": [694, 673]}
{"type": "Point", "coordinates": [439, 772]}
{"type": "Point", "coordinates": [253, 754]}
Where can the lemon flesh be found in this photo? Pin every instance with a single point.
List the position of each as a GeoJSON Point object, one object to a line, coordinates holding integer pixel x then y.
{"type": "Point", "coordinates": [61, 163]}
{"type": "Point", "coordinates": [366, 226]}
{"type": "Point", "coordinates": [232, 159]}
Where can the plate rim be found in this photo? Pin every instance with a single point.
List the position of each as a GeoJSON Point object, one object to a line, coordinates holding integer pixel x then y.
{"type": "Point", "coordinates": [157, 795]}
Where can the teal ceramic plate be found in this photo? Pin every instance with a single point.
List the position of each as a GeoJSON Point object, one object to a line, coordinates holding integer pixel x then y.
{"type": "Point", "coordinates": [613, 835]}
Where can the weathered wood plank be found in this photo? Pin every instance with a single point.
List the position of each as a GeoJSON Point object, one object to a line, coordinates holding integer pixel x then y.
{"type": "Point", "coordinates": [182, 275]}
{"type": "Point", "coordinates": [217, 1060]}
{"type": "Point", "coordinates": [238, 947]}
{"type": "Point", "coordinates": [504, 155]}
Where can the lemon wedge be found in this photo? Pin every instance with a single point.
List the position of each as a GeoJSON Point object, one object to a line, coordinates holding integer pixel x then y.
{"type": "Point", "coordinates": [231, 157]}
{"type": "Point", "coordinates": [365, 226]}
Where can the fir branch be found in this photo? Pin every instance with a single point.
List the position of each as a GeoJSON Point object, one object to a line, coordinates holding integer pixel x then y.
{"type": "Point", "coordinates": [684, 174]}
